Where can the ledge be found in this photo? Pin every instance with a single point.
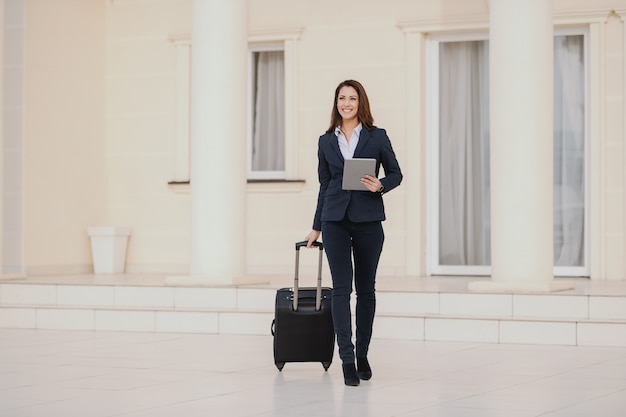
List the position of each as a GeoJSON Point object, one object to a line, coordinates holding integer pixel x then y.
{"type": "Point", "coordinates": [481, 22]}
{"type": "Point", "coordinates": [275, 186]}
{"type": "Point", "coordinates": [254, 185]}
{"type": "Point", "coordinates": [179, 187]}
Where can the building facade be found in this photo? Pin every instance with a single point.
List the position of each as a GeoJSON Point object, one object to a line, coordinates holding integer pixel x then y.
{"type": "Point", "coordinates": [195, 123]}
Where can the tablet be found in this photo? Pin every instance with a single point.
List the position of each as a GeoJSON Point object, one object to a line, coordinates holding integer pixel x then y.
{"type": "Point", "coordinates": [355, 169]}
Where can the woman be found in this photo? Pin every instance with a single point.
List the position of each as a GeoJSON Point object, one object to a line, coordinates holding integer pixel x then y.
{"type": "Point", "coordinates": [350, 221]}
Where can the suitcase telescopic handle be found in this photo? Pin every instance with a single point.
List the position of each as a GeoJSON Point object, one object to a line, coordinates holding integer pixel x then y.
{"type": "Point", "coordinates": [318, 294]}
{"type": "Point", "coordinates": [304, 243]}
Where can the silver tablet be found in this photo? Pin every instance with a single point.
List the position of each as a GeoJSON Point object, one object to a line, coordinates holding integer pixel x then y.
{"type": "Point", "coordinates": [355, 169]}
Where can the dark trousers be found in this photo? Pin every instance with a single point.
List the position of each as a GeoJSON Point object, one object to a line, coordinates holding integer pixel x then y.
{"type": "Point", "coordinates": [344, 240]}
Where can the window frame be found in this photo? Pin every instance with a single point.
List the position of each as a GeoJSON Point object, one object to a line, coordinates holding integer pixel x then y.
{"type": "Point", "coordinates": [433, 40]}
{"type": "Point", "coordinates": [432, 134]}
{"type": "Point", "coordinates": [255, 174]}
{"type": "Point", "coordinates": [585, 269]}
{"type": "Point", "coordinates": [287, 41]}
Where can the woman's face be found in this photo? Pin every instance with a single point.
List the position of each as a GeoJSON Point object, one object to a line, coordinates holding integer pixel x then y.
{"type": "Point", "coordinates": [348, 103]}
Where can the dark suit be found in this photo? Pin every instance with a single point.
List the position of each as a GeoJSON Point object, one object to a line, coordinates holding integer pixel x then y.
{"type": "Point", "coordinates": [350, 222]}
{"type": "Point", "coordinates": [333, 203]}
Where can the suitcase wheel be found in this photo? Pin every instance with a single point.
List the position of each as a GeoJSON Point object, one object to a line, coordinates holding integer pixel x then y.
{"type": "Point", "coordinates": [280, 365]}
{"type": "Point", "coordinates": [326, 365]}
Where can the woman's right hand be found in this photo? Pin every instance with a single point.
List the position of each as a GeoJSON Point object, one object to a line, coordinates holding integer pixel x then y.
{"type": "Point", "coordinates": [312, 237]}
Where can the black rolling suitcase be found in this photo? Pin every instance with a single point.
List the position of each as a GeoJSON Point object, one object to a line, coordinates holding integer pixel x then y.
{"type": "Point", "coordinates": [303, 325]}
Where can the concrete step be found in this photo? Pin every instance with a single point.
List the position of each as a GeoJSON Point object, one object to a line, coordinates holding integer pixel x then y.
{"type": "Point", "coordinates": [557, 319]}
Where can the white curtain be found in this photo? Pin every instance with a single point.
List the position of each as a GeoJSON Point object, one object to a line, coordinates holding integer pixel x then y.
{"type": "Point", "coordinates": [464, 231]}
{"type": "Point", "coordinates": [268, 137]}
{"type": "Point", "coordinates": [464, 237]}
{"type": "Point", "coordinates": [569, 150]}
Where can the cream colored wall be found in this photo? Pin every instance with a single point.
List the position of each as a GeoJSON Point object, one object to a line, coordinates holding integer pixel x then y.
{"type": "Point", "coordinates": [338, 41]}
{"type": "Point", "coordinates": [134, 135]}
{"type": "Point", "coordinates": [141, 116]}
{"type": "Point", "coordinates": [351, 39]}
{"type": "Point", "coordinates": [64, 171]}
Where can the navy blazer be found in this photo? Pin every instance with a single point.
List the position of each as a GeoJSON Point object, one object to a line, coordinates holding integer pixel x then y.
{"type": "Point", "coordinates": [334, 203]}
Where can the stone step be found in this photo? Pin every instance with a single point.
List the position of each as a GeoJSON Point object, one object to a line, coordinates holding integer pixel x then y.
{"type": "Point", "coordinates": [561, 319]}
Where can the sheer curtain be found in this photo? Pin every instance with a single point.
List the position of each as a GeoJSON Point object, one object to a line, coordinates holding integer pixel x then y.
{"type": "Point", "coordinates": [569, 150]}
{"type": "Point", "coordinates": [464, 236]}
{"type": "Point", "coordinates": [268, 136]}
{"type": "Point", "coordinates": [464, 211]}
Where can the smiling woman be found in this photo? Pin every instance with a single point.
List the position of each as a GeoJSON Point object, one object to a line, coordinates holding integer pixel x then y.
{"type": "Point", "coordinates": [351, 221]}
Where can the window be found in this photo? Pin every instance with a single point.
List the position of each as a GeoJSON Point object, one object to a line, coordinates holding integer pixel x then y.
{"type": "Point", "coordinates": [459, 95]}
{"type": "Point", "coordinates": [464, 153]}
{"type": "Point", "coordinates": [569, 151]}
{"type": "Point", "coordinates": [266, 137]}
{"type": "Point", "coordinates": [272, 151]}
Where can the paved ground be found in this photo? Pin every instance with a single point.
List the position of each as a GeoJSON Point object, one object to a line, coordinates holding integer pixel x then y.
{"type": "Point", "coordinates": [98, 374]}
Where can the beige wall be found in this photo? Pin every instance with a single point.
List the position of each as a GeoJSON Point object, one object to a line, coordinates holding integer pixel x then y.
{"type": "Point", "coordinates": [90, 162]}
{"type": "Point", "coordinates": [64, 171]}
{"type": "Point", "coordinates": [610, 186]}
{"type": "Point", "coordinates": [141, 117]}
{"type": "Point", "coordinates": [338, 41]}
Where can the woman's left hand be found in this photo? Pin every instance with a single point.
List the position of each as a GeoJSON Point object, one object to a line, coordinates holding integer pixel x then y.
{"type": "Point", "coordinates": [372, 183]}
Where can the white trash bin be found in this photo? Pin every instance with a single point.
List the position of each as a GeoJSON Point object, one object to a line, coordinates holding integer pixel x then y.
{"type": "Point", "coordinates": [108, 248]}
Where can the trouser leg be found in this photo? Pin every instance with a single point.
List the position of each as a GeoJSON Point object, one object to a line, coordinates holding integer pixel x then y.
{"type": "Point", "coordinates": [338, 248]}
{"type": "Point", "coordinates": [367, 244]}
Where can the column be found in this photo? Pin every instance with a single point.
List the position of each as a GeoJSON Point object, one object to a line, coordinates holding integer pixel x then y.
{"type": "Point", "coordinates": [11, 141]}
{"type": "Point", "coordinates": [218, 142]}
{"type": "Point", "coordinates": [2, 26]}
{"type": "Point", "coordinates": [521, 103]}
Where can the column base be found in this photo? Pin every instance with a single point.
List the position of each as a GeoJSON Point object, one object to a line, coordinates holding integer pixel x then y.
{"type": "Point", "coordinates": [211, 281]}
{"type": "Point", "coordinates": [516, 286]}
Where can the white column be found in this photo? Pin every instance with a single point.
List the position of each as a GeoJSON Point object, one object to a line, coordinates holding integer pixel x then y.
{"type": "Point", "coordinates": [3, 18]}
{"type": "Point", "coordinates": [521, 103]}
{"type": "Point", "coordinates": [2, 26]}
{"type": "Point", "coordinates": [218, 142]}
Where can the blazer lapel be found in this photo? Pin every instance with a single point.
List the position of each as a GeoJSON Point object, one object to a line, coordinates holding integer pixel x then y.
{"type": "Point", "coordinates": [334, 143]}
{"type": "Point", "coordinates": [364, 137]}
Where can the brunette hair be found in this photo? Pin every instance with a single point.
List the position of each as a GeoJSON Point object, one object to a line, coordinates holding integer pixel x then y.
{"type": "Point", "coordinates": [363, 114]}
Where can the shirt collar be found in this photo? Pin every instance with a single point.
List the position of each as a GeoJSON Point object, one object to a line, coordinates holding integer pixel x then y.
{"type": "Point", "coordinates": [357, 130]}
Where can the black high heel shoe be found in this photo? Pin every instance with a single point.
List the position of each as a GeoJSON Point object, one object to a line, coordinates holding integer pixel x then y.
{"type": "Point", "coordinates": [364, 371]}
{"type": "Point", "coordinates": [350, 376]}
